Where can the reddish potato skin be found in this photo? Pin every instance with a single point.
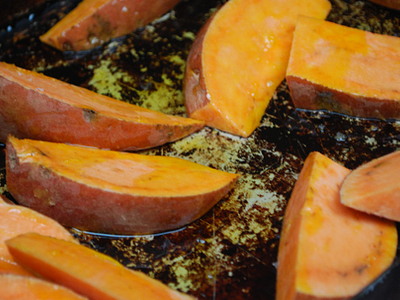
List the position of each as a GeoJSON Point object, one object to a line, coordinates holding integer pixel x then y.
{"type": "Point", "coordinates": [194, 85]}
{"type": "Point", "coordinates": [106, 21]}
{"type": "Point", "coordinates": [308, 95]}
{"type": "Point", "coordinates": [394, 4]}
{"type": "Point", "coordinates": [98, 210]}
{"type": "Point", "coordinates": [29, 113]}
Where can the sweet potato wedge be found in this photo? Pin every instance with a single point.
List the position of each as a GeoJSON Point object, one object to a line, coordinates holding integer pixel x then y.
{"type": "Point", "coordinates": [86, 271]}
{"type": "Point", "coordinates": [239, 58]}
{"type": "Point", "coordinates": [344, 70]}
{"type": "Point", "coordinates": [109, 191]}
{"type": "Point", "coordinates": [327, 250]}
{"type": "Point", "coordinates": [15, 220]}
{"type": "Point", "coordinates": [374, 187]}
{"type": "Point", "coordinates": [95, 22]}
{"type": "Point", "coordinates": [39, 107]}
{"type": "Point", "coordinates": [15, 287]}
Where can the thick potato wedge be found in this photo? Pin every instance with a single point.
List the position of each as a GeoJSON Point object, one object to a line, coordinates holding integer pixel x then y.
{"type": "Point", "coordinates": [344, 70]}
{"type": "Point", "coordinates": [39, 107]}
{"type": "Point", "coordinates": [327, 250]}
{"type": "Point", "coordinates": [239, 58]}
{"type": "Point", "coordinates": [85, 271]}
{"type": "Point", "coordinates": [374, 187]}
{"type": "Point", "coordinates": [15, 287]}
{"type": "Point", "coordinates": [15, 220]}
{"type": "Point", "coordinates": [110, 191]}
{"type": "Point", "coordinates": [95, 22]}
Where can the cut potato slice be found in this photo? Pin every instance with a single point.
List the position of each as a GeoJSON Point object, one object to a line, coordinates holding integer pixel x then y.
{"type": "Point", "coordinates": [110, 191]}
{"type": "Point", "coordinates": [14, 287]}
{"type": "Point", "coordinates": [85, 271]}
{"type": "Point", "coordinates": [15, 220]}
{"type": "Point", "coordinates": [94, 22]}
{"type": "Point", "coordinates": [43, 108]}
{"type": "Point", "coordinates": [327, 250]}
{"type": "Point", "coordinates": [239, 58]}
{"type": "Point", "coordinates": [374, 187]}
{"type": "Point", "coordinates": [344, 70]}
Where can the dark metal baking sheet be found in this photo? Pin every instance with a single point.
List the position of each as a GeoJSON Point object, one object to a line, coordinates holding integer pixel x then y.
{"type": "Point", "coordinates": [231, 251]}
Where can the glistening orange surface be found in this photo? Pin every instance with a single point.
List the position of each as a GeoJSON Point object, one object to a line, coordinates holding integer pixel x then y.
{"type": "Point", "coordinates": [15, 220]}
{"type": "Point", "coordinates": [328, 250]}
{"type": "Point", "coordinates": [245, 55]}
{"type": "Point", "coordinates": [86, 271]}
{"type": "Point", "coordinates": [14, 287]}
{"type": "Point", "coordinates": [123, 172]}
{"type": "Point", "coordinates": [346, 59]}
{"type": "Point", "coordinates": [374, 187]}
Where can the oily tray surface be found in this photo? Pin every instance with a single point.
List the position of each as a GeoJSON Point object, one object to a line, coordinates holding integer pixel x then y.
{"type": "Point", "coordinates": [231, 251]}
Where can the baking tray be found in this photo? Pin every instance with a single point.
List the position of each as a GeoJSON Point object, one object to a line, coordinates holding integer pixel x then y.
{"type": "Point", "coordinates": [231, 251]}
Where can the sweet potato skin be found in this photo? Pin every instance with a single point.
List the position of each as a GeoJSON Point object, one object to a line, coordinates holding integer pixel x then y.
{"type": "Point", "coordinates": [28, 288]}
{"type": "Point", "coordinates": [308, 95]}
{"type": "Point", "coordinates": [94, 22]}
{"type": "Point", "coordinates": [194, 84]}
{"type": "Point", "coordinates": [394, 4]}
{"type": "Point", "coordinates": [42, 112]}
{"type": "Point", "coordinates": [77, 204]}
{"type": "Point", "coordinates": [86, 271]}
{"type": "Point", "coordinates": [327, 250]}
{"type": "Point", "coordinates": [332, 67]}
{"type": "Point", "coordinates": [15, 220]}
{"type": "Point", "coordinates": [374, 187]}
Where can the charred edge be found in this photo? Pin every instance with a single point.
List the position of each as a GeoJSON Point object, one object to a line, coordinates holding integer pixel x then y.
{"type": "Point", "coordinates": [378, 164]}
{"type": "Point", "coordinates": [326, 100]}
{"type": "Point", "coordinates": [67, 46]}
{"type": "Point", "coordinates": [101, 33]}
{"type": "Point", "coordinates": [89, 115]}
{"type": "Point", "coordinates": [361, 269]}
{"type": "Point", "coordinates": [41, 152]}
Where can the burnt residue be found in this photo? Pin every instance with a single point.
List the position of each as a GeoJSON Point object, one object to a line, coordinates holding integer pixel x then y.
{"type": "Point", "coordinates": [89, 115]}
{"type": "Point", "coordinates": [232, 249]}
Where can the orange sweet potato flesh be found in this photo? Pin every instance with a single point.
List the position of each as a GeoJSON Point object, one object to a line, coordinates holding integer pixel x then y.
{"type": "Point", "coordinates": [110, 191]}
{"type": "Point", "coordinates": [327, 250]}
{"type": "Point", "coordinates": [95, 22]}
{"type": "Point", "coordinates": [374, 187]}
{"type": "Point", "coordinates": [345, 70]}
{"type": "Point", "coordinates": [15, 287]}
{"type": "Point", "coordinates": [15, 220]}
{"type": "Point", "coordinates": [239, 58]}
{"type": "Point", "coordinates": [39, 107]}
{"type": "Point", "coordinates": [86, 271]}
